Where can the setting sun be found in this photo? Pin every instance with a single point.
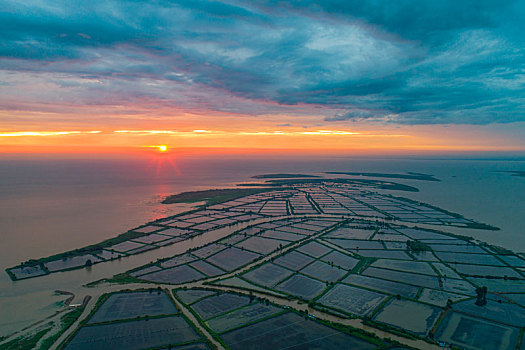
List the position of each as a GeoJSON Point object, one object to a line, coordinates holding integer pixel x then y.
{"type": "Point", "coordinates": [162, 148]}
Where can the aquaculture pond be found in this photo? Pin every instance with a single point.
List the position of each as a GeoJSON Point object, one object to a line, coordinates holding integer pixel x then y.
{"type": "Point", "coordinates": [135, 320]}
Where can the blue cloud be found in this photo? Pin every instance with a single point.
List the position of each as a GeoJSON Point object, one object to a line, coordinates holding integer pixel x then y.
{"type": "Point", "coordinates": [424, 62]}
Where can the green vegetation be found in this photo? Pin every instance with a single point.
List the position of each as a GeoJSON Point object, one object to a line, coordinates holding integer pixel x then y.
{"type": "Point", "coordinates": [66, 321]}
{"type": "Point", "coordinates": [416, 246]}
{"type": "Point", "coordinates": [410, 201]}
{"type": "Point", "coordinates": [92, 249]}
{"type": "Point", "coordinates": [359, 333]}
{"type": "Point", "coordinates": [469, 223]}
{"type": "Point", "coordinates": [124, 278]}
{"type": "Point", "coordinates": [213, 196]}
{"type": "Point", "coordinates": [281, 176]}
{"type": "Point", "coordinates": [363, 263]}
{"type": "Point", "coordinates": [391, 329]}
{"type": "Point", "coordinates": [520, 339]}
{"type": "Point", "coordinates": [95, 247]}
{"type": "Point", "coordinates": [12, 277]}
{"type": "Point", "coordinates": [407, 176]}
{"type": "Point", "coordinates": [382, 305]}
{"type": "Point", "coordinates": [386, 185]}
{"type": "Point", "coordinates": [101, 300]}
{"type": "Point", "coordinates": [441, 318]}
{"type": "Point", "coordinates": [201, 322]}
{"type": "Point", "coordinates": [514, 173]}
{"type": "Point", "coordinates": [481, 226]}
{"type": "Point", "coordinates": [498, 250]}
{"type": "Point", "coordinates": [25, 342]}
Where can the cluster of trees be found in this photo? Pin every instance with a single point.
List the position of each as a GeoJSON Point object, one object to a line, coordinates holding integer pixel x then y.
{"type": "Point", "coordinates": [481, 299]}
{"type": "Point", "coordinates": [416, 246]}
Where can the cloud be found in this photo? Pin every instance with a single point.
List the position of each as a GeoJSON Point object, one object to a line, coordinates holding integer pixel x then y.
{"type": "Point", "coordinates": [356, 115]}
{"type": "Point", "coordinates": [45, 133]}
{"type": "Point", "coordinates": [434, 62]}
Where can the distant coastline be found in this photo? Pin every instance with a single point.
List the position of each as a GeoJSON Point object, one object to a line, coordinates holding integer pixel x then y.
{"type": "Point", "coordinates": [282, 176]}
{"type": "Point", "coordinates": [408, 176]}
{"type": "Point", "coordinates": [516, 173]}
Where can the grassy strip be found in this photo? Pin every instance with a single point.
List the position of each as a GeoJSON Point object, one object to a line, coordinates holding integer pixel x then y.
{"type": "Point", "coordinates": [358, 333]}
{"type": "Point", "coordinates": [497, 249]}
{"type": "Point", "coordinates": [417, 246]}
{"type": "Point", "coordinates": [333, 312]}
{"type": "Point", "coordinates": [253, 300]}
{"type": "Point", "coordinates": [260, 288]}
{"type": "Point", "coordinates": [25, 342]}
{"type": "Point", "coordinates": [66, 321]}
{"type": "Point", "coordinates": [470, 224]}
{"type": "Point", "coordinates": [390, 329]}
{"type": "Point", "coordinates": [282, 312]}
{"type": "Point", "coordinates": [520, 339]}
{"type": "Point", "coordinates": [281, 176]}
{"type": "Point", "coordinates": [513, 172]}
{"type": "Point", "coordinates": [363, 263]}
{"type": "Point", "coordinates": [12, 277]}
{"type": "Point", "coordinates": [124, 278]}
{"type": "Point", "coordinates": [174, 291]}
{"type": "Point", "coordinates": [386, 185]}
{"type": "Point", "coordinates": [439, 321]}
{"type": "Point", "coordinates": [381, 306]}
{"type": "Point", "coordinates": [199, 319]}
{"type": "Point", "coordinates": [396, 227]}
{"type": "Point", "coordinates": [313, 203]}
{"type": "Point", "coordinates": [214, 196]}
{"type": "Point", "coordinates": [127, 320]}
{"type": "Point", "coordinates": [91, 249]}
{"type": "Point", "coordinates": [408, 176]}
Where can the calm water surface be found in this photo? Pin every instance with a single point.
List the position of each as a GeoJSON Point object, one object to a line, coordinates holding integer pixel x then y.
{"type": "Point", "coordinates": [49, 206]}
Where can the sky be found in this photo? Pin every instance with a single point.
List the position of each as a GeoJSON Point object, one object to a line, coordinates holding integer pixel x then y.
{"type": "Point", "coordinates": [309, 75]}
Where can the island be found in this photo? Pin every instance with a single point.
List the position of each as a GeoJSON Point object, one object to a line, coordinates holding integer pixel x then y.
{"type": "Point", "coordinates": [282, 176]}
{"type": "Point", "coordinates": [517, 173]}
{"type": "Point", "coordinates": [408, 176]}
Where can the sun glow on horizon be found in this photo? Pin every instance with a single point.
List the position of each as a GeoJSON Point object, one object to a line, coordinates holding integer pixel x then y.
{"type": "Point", "coordinates": [160, 148]}
{"type": "Point", "coordinates": [260, 136]}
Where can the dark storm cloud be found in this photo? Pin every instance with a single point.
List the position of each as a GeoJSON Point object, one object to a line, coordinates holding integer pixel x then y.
{"type": "Point", "coordinates": [407, 62]}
